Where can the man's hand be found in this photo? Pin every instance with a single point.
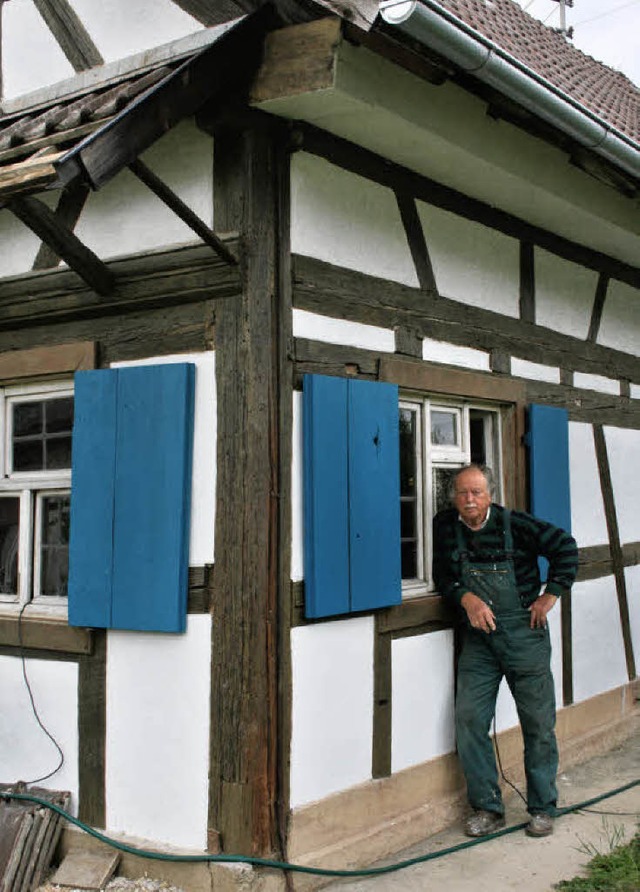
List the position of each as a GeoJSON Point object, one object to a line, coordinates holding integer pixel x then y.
{"type": "Point", "coordinates": [479, 614]}
{"type": "Point", "coordinates": [539, 609]}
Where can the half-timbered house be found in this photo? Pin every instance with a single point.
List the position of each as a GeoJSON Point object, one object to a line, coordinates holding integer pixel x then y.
{"type": "Point", "coordinates": [268, 273]}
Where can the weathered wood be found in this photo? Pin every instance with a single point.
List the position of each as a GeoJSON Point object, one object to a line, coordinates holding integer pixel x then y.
{"type": "Point", "coordinates": [608, 499]}
{"type": "Point", "coordinates": [45, 634]}
{"type": "Point", "coordinates": [416, 241]}
{"type": "Point", "coordinates": [414, 613]}
{"type": "Point", "coordinates": [56, 360]}
{"type": "Point", "coordinates": [68, 210]}
{"type": "Point", "coordinates": [328, 359]}
{"type": "Point", "coordinates": [43, 222]}
{"type": "Point", "coordinates": [527, 283]}
{"type": "Point", "coordinates": [566, 603]}
{"type": "Point", "coordinates": [365, 163]}
{"type": "Point", "coordinates": [214, 12]}
{"type": "Point", "coordinates": [382, 688]}
{"type": "Point", "coordinates": [347, 294]}
{"type": "Point", "coordinates": [200, 589]}
{"type": "Point", "coordinates": [92, 729]}
{"type": "Point", "coordinates": [182, 210]}
{"type": "Point", "coordinates": [586, 405]}
{"type": "Point", "coordinates": [250, 357]}
{"type": "Point", "coordinates": [595, 562]}
{"type": "Point", "coordinates": [408, 342]}
{"type": "Point", "coordinates": [298, 59]}
{"type": "Point", "coordinates": [598, 307]}
{"type": "Point", "coordinates": [431, 378]}
{"type": "Point", "coordinates": [71, 35]}
{"type": "Point", "coordinates": [500, 362]}
{"type": "Point", "coordinates": [155, 280]}
{"type": "Point", "coordinates": [566, 377]}
{"type": "Point", "coordinates": [27, 176]}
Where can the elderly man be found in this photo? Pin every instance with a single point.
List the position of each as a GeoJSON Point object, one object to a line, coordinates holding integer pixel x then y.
{"type": "Point", "coordinates": [486, 562]}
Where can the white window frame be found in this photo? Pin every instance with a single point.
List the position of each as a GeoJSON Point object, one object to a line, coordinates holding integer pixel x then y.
{"type": "Point", "coordinates": [429, 456]}
{"type": "Point", "coordinates": [30, 487]}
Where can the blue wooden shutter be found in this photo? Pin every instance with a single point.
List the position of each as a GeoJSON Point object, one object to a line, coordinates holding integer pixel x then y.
{"type": "Point", "coordinates": [130, 504]}
{"type": "Point", "coordinates": [374, 495]}
{"type": "Point", "coordinates": [326, 503]}
{"type": "Point", "coordinates": [351, 495]}
{"type": "Point", "coordinates": [548, 440]}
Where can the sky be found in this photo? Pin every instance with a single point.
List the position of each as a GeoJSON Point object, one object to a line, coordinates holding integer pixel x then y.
{"type": "Point", "coordinates": [608, 30]}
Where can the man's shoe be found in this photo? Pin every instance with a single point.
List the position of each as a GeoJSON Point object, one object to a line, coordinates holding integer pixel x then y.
{"type": "Point", "coordinates": [482, 823]}
{"type": "Point", "coordinates": [539, 825]}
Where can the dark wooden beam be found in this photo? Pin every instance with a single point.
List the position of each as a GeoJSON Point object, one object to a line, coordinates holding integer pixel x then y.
{"type": "Point", "coordinates": [41, 220]}
{"type": "Point", "coordinates": [617, 559]}
{"type": "Point", "coordinates": [381, 749]}
{"type": "Point", "coordinates": [214, 12]}
{"type": "Point", "coordinates": [365, 163]}
{"type": "Point", "coordinates": [253, 459]}
{"type": "Point", "coordinates": [417, 241]}
{"type": "Point", "coordinates": [70, 205]}
{"type": "Point", "coordinates": [210, 77]}
{"type": "Point", "coordinates": [566, 622]}
{"type": "Point", "coordinates": [182, 210]}
{"type": "Point", "coordinates": [70, 33]}
{"type": "Point", "coordinates": [92, 732]}
{"type": "Point", "coordinates": [527, 283]}
{"type": "Point", "coordinates": [598, 307]}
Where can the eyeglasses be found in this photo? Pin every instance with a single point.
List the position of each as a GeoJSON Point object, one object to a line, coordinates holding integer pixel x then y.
{"type": "Point", "coordinates": [470, 492]}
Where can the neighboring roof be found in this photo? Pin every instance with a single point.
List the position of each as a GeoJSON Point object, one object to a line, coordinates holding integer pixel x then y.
{"type": "Point", "coordinates": [607, 93]}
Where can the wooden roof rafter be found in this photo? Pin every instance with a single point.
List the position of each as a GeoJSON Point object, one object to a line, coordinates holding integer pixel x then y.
{"type": "Point", "coordinates": [70, 34]}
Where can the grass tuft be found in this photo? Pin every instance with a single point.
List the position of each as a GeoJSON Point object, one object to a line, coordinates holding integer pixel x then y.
{"type": "Point", "coordinates": [617, 870]}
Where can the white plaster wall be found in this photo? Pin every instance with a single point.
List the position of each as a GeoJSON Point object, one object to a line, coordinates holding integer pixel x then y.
{"type": "Point", "coordinates": [157, 754]}
{"type": "Point", "coordinates": [598, 649]}
{"type": "Point", "coordinates": [32, 58]}
{"type": "Point", "coordinates": [620, 323]}
{"type": "Point", "coordinates": [125, 217]}
{"type": "Point", "coordinates": [347, 220]}
{"type": "Point", "coordinates": [18, 245]}
{"type": "Point", "coordinates": [205, 427]}
{"type": "Point", "coordinates": [564, 294]}
{"type": "Point", "coordinates": [332, 707]}
{"type": "Point", "coordinates": [120, 28]}
{"type": "Point", "coordinates": [596, 382]}
{"type": "Point", "coordinates": [422, 725]}
{"type": "Point", "coordinates": [534, 370]}
{"type": "Point", "coordinates": [506, 712]}
{"type": "Point", "coordinates": [635, 391]}
{"type": "Point", "coordinates": [297, 489]}
{"type": "Point", "coordinates": [588, 522]}
{"type": "Point", "coordinates": [26, 753]}
{"type": "Point", "coordinates": [623, 449]}
{"type": "Point", "coordinates": [316, 327]}
{"type": "Point", "coordinates": [632, 578]}
{"type": "Point", "coordinates": [472, 263]}
{"type": "Point", "coordinates": [453, 354]}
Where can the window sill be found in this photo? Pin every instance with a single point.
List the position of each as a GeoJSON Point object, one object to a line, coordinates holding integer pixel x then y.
{"type": "Point", "coordinates": [415, 612]}
{"type": "Point", "coordinates": [45, 633]}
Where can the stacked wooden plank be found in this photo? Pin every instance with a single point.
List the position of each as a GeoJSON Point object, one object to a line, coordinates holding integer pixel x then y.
{"type": "Point", "coordinates": [29, 833]}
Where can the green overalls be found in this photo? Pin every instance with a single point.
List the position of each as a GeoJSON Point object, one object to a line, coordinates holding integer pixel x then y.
{"type": "Point", "coordinates": [522, 655]}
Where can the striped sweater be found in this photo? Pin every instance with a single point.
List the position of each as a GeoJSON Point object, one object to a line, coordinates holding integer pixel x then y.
{"type": "Point", "coordinates": [531, 538]}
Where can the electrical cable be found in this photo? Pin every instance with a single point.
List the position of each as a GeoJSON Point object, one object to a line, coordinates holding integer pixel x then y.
{"type": "Point", "coordinates": [33, 707]}
{"type": "Point", "coordinates": [299, 868]}
{"type": "Point", "coordinates": [609, 12]}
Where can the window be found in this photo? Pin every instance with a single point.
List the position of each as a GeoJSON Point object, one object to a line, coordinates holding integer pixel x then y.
{"type": "Point", "coordinates": [436, 438]}
{"type": "Point", "coordinates": [37, 422]}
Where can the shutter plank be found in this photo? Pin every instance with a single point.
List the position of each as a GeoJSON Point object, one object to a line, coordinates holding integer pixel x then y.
{"type": "Point", "coordinates": [152, 502]}
{"type": "Point", "coordinates": [326, 535]}
{"type": "Point", "coordinates": [374, 489]}
{"type": "Point", "coordinates": [92, 499]}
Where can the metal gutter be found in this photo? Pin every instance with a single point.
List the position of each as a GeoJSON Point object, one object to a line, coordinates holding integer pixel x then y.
{"type": "Point", "coordinates": [441, 31]}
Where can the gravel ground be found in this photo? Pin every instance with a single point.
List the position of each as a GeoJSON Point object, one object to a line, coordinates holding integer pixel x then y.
{"type": "Point", "coordinates": [120, 884]}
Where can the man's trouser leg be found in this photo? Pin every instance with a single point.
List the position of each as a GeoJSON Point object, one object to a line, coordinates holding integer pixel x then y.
{"type": "Point", "coordinates": [479, 676]}
{"type": "Point", "coordinates": [531, 682]}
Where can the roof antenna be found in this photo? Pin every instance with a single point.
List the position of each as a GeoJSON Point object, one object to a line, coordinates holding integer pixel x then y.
{"type": "Point", "coordinates": [566, 32]}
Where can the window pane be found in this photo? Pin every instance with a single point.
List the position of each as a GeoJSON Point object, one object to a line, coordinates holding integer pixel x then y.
{"type": "Point", "coordinates": [27, 419]}
{"type": "Point", "coordinates": [408, 493]}
{"type": "Point", "coordinates": [442, 480]}
{"type": "Point", "coordinates": [444, 428]}
{"type": "Point", "coordinates": [9, 532]}
{"type": "Point", "coordinates": [58, 453]}
{"type": "Point", "coordinates": [54, 545]}
{"type": "Point", "coordinates": [27, 455]}
{"type": "Point", "coordinates": [59, 415]}
{"type": "Point", "coordinates": [42, 434]}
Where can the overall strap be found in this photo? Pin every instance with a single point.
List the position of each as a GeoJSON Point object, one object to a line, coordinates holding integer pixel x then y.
{"type": "Point", "coordinates": [508, 536]}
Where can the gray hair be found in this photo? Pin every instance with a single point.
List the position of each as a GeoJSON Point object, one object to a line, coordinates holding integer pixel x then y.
{"type": "Point", "coordinates": [486, 472]}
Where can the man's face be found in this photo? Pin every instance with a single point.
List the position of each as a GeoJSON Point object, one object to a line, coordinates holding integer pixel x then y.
{"type": "Point", "coordinates": [472, 497]}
